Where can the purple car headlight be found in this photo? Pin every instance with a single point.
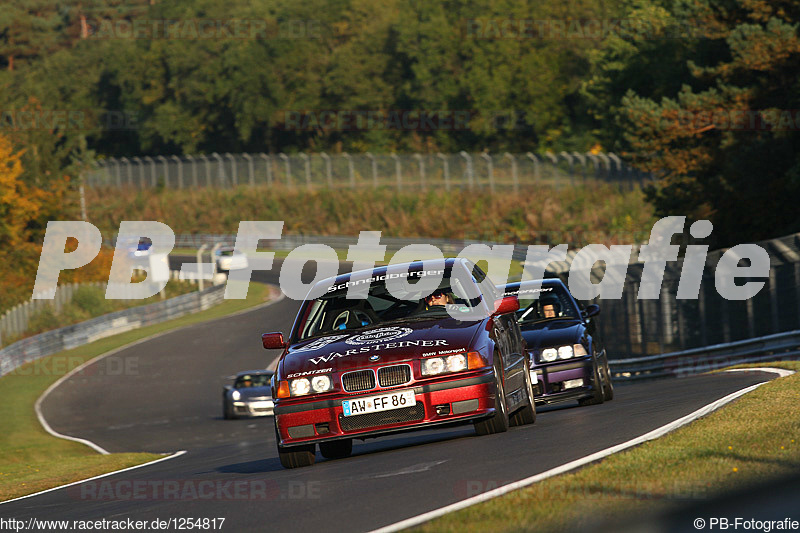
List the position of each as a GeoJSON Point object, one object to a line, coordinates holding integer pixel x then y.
{"type": "Point", "coordinates": [549, 355]}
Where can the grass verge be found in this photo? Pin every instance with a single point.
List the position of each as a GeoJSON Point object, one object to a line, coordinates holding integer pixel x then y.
{"type": "Point", "coordinates": [31, 460]}
{"type": "Point", "coordinates": [752, 440]}
{"type": "Point", "coordinates": [597, 213]}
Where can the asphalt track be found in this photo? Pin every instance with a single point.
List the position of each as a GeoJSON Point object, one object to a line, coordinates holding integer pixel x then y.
{"type": "Point", "coordinates": [172, 401]}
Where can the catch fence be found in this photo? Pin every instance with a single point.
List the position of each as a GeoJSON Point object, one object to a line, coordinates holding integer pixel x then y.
{"type": "Point", "coordinates": [472, 171]}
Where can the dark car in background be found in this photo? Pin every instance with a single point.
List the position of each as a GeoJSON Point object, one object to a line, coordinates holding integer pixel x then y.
{"type": "Point", "coordinates": [567, 362]}
{"type": "Point", "coordinates": [249, 395]}
{"type": "Point", "coordinates": [415, 356]}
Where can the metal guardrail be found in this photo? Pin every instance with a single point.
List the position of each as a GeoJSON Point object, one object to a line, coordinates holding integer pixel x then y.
{"type": "Point", "coordinates": [697, 360]}
{"type": "Point", "coordinates": [393, 244]}
{"type": "Point", "coordinates": [631, 327]}
{"type": "Point", "coordinates": [54, 341]}
{"type": "Point", "coordinates": [14, 322]}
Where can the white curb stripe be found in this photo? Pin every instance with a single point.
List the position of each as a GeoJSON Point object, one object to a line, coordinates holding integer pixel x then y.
{"type": "Point", "coordinates": [656, 433]}
{"type": "Point", "coordinates": [782, 373]}
{"type": "Point", "coordinates": [173, 456]}
{"type": "Point", "coordinates": [92, 445]}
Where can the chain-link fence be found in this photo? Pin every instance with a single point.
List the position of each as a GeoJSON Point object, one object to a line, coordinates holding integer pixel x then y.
{"type": "Point", "coordinates": [402, 171]}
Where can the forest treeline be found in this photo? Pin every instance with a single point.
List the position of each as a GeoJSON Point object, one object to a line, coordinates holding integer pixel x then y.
{"type": "Point", "coordinates": [704, 93]}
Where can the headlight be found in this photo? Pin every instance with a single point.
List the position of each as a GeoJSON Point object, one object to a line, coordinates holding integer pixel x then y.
{"type": "Point", "coordinates": [321, 383]}
{"type": "Point", "coordinates": [432, 366]}
{"type": "Point", "coordinates": [236, 395]}
{"type": "Point", "coordinates": [300, 386]}
{"type": "Point", "coordinates": [549, 354]}
{"type": "Point", "coordinates": [564, 352]}
{"type": "Point", "coordinates": [456, 363]}
{"type": "Point", "coordinates": [580, 350]}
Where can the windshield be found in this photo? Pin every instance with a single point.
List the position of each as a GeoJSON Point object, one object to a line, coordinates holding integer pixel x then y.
{"type": "Point", "coordinates": [545, 303]}
{"type": "Point", "coordinates": [456, 296]}
{"type": "Point", "coordinates": [252, 380]}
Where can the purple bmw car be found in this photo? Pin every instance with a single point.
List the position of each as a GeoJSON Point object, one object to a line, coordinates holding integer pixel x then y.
{"type": "Point", "coordinates": [567, 363]}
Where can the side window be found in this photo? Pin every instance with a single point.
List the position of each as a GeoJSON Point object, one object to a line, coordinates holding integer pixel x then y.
{"type": "Point", "coordinates": [488, 289]}
{"type": "Point", "coordinates": [314, 320]}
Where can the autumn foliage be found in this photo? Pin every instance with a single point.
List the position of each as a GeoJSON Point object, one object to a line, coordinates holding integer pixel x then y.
{"type": "Point", "coordinates": [24, 211]}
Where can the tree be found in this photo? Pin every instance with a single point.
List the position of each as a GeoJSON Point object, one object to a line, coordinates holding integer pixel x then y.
{"type": "Point", "coordinates": [725, 142]}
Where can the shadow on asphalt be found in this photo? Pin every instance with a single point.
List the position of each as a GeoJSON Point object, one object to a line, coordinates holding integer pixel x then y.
{"type": "Point", "coordinates": [252, 467]}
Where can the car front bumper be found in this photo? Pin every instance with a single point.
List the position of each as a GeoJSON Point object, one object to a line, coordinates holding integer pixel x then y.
{"type": "Point", "coordinates": [442, 402]}
{"type": "Point", "coordinates": [562, 381]}
{"type": "Point", "coordinates": [253, 408]}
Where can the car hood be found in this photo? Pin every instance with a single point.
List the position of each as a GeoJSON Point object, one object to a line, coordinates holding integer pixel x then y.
{"type": "Point", "coordinates": [552, 333]}
{"type": "Point", "coordinates": [399, 341]}
{"type": "Point", "coordinates": [253, 393]}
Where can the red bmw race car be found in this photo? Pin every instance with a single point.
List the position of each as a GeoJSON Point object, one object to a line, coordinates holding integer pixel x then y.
{"type": "Point", "coordinates": [413, 346]}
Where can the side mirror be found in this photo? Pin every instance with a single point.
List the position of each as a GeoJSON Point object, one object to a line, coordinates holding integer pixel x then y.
{"type": "Point", "coordinates": [273, 341]}
{"type": "Point", "coordinates": [591, 310]}
{"type": "Point", "coordinates": [505, 305]}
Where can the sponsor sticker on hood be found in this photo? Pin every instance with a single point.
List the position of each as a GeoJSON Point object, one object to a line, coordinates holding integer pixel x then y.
{"type": "Point", "coordinates": [379, 335]}
{"type": "Point", "coordinates": [320, 343]}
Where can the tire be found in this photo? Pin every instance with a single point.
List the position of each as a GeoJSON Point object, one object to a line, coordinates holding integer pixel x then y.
{"type": "Point", "coordinates": [597, 393]}
{"type": "Point", "coordinates": [499, 422]}
{"type": "Point", "coordinates": [526, 415]}
{"type": "Point", "coordinates": [336, 449]}
{"type": "Point", "coordinates": [227, 411]}
{"type": "Point", "coordinates": [297, 456]}
{"type": "Point", "coordinates": [608, 386]}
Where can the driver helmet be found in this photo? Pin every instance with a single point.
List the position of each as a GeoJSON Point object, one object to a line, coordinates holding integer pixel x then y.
{"type": "Point", "coordinates": [549, 300]}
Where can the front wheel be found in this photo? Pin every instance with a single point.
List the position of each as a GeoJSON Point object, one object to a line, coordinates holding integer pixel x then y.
{"type": "Point", "coordinates": [227, 410]}
{"type": "Point", "coordinates": [296, 456]}
{"type": "Point", "coordinates": [597, 385]}
{"type": "Point", "coordinates": [526, 415]}
{"type": "Point", "coordinates": [499, 422]}
{"type": "Point", "coordinates": [608, 387]}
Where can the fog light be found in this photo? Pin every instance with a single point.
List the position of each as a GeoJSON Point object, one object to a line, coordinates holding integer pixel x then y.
{"type": "Point", "coordinates": [443, 409]}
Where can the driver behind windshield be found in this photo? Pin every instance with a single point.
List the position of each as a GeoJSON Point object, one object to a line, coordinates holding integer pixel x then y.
{"type": "Point", "coordinates": [550, 307]}
{"type": "Point", "coordinates": [438, 298]}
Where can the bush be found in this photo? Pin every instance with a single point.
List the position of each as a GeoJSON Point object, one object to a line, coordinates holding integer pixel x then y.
{"type": "Point", "coordinates": [92, 300]}
{"type": "Point", "coordinates": [43, 320]}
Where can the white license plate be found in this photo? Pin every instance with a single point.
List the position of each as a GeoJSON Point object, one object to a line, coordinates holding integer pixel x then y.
{"type": "Point", "coordinates": [381, 402]}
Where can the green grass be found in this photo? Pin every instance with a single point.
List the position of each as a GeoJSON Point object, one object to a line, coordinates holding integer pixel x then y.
{"type": "Point", "coordinates": [596, 213]}
{"type": "Point", "coordinates": [754, 439]}
{"type": "Point", "coordinates": [31, 460]}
